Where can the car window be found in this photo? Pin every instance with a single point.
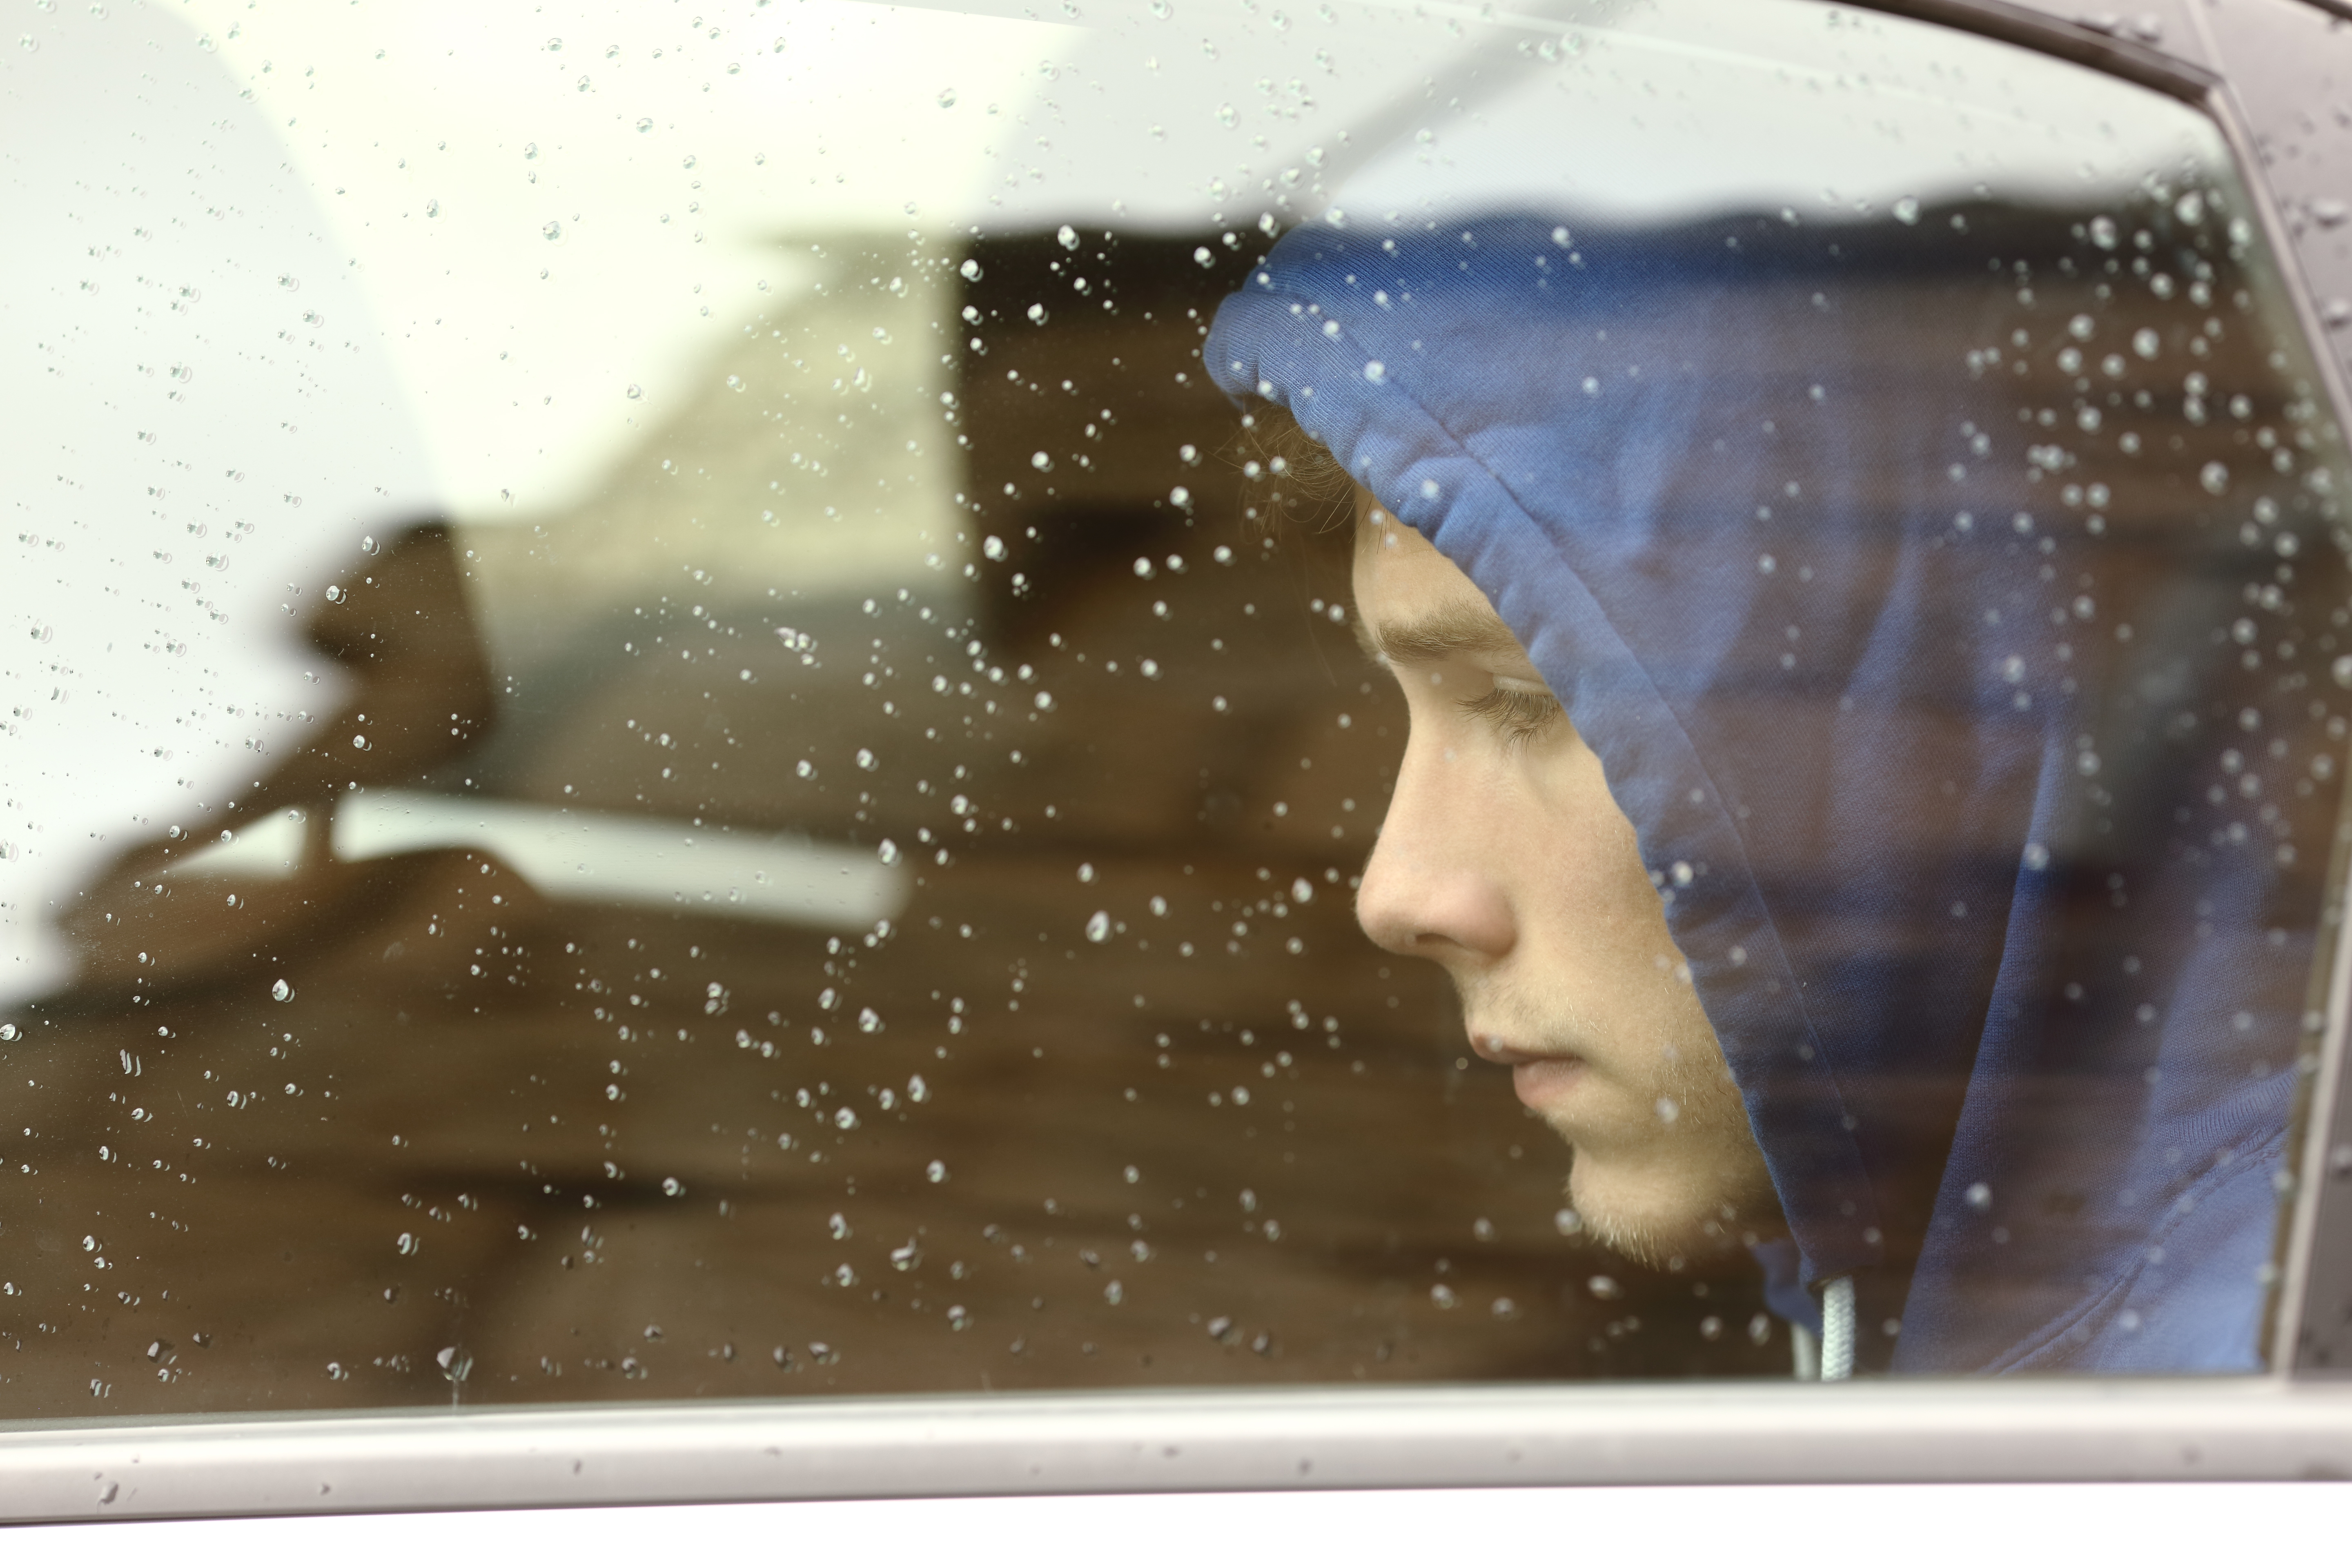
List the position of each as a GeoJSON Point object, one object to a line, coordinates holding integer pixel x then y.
{"type": "Point", "coordinates": [846, 698]}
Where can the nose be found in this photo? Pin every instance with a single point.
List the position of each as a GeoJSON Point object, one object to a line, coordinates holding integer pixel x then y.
{"type": "Point", "coordinates": [1432, 888]}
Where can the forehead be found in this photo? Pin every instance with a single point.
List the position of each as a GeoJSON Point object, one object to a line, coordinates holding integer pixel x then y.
{"type": "Point", "coordinates": [1414, 605]}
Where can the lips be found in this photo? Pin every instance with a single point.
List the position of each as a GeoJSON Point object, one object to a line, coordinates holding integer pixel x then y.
{"type": "Point", "coordinates": [1541, 1081]}
{"type": "Point", "coordinates": [1537, 1076]}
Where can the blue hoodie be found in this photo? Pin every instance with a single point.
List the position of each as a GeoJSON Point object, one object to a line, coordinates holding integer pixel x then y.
{"type": "Point", "coordinates": [1972, 720]}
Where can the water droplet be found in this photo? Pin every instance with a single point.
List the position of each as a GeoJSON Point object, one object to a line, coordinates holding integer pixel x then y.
{"type": "Point", "coordinates": [432, 207]}
{"type": "Point", "coordinates": [1375, 372]}
{"type": "Point", "coordinates": [672, 1186]}
{"type": "Point", "coordinates": [635, 391]}
{"type": "Point", "coordinates": [887, 853]}
{"type": "Point", "coordinates": [1906, 209]}
{"type": "Point", "coordinates": [869, 1022]}
{"type": "Point", "coordinates": [2145, 342]}
{"type": "Point", "coordinates": [2342, 670]}
{"type": "Point", "coordinates": [865, 759]}
{"type": "Point", "coordinates": [839, 1227]}
{"type": "Point", "coordinates": [845, 1119]}
{"type": "Point", "coordinates": [2214, 476]}
{"type": "Point", "coordinates": [993, 548]}
{"type": "Point", "coordinates": [1045, 701]}
{"type": "Point", "coordinates": [947, 97]}
{"type": "Point", "coordinates": [1603, 1288]}
{"type": "Point", "coordinates": [281, 991]}
{"type": "Point", "coordinates": [937, 1171]}
{"type": "Point", "coordinates": [1979, 1197]}
{"type": "Point", "coordinates": [1068, 237]}
{"type": "Point", "coordinates": [903, 1258]}
{"type": "Point", "coordinates": [971, 270]}
{"type": "Point", "coordinates": [406, 1245]}
{"type": "Point", "coordinates": [2037, 858]}
{"type": "Point", "coordinates": [1568, 1221]}
{"type": "Point", "coordinates": [8, 1031]}
{"type": "Point", "coordinates": [1099, 926]}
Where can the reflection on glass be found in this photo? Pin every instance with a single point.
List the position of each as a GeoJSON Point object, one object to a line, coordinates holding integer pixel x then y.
{"type": "Point", "coordinates": [696, 719]}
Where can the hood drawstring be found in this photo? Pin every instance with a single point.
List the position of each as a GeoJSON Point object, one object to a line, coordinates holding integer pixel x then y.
{"type": "Point", "coordinates": [1837, 1330]}
{"type": "Point", "coordinates": [1828, 1359]}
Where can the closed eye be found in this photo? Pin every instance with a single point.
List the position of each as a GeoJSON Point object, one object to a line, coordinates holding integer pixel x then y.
{"type": "Point", "coordinates": [1518, 712]}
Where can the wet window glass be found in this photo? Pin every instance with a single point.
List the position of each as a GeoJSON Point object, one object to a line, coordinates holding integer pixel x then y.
{"type": "Point", "coordinates": [832, 698]}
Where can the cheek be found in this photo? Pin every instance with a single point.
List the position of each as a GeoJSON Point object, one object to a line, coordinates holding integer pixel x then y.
{"type": "Point", "coordinates": [1587, 846]}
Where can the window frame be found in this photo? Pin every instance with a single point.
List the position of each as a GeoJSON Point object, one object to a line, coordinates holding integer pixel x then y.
{"type": "Point", "coordinates": [2294, 1421]}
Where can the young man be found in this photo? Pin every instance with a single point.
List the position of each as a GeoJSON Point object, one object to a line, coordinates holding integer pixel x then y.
{"type": "Point", "coordinates": [1843, 833]}
{"type": "Point", "coordinates": [1504, 859]}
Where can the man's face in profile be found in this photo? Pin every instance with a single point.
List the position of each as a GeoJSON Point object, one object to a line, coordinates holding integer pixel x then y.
{"type": "Point", "coordinates": [1504, 858]}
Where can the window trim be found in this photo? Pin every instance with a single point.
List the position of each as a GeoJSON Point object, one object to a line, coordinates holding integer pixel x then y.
{"type": "Point", "coordinates": [2221, 1429]}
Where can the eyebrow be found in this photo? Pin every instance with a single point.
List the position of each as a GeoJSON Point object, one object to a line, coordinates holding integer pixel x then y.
{"type": "Point", "coordinates": [1452, 632]}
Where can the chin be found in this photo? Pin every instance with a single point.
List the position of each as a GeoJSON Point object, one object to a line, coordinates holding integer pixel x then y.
{"type": "Point", "coordinates": [1654, 1218]}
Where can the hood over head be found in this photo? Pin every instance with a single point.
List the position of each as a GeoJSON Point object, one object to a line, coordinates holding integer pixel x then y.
{"type": "Point", "coordinates": [1965, 672]}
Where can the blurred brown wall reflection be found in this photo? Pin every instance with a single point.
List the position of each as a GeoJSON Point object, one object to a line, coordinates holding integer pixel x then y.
{"type": "Point", "coordinates": [566, 1150]}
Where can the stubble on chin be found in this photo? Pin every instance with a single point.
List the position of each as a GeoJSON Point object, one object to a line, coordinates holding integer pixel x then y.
{"type": "Point", "coordinates": [1691, 1183]}
{"type": "Point", "coordinates": [1675, 1172]}
{"type": "Point", "coordinates": [1694, 1216]}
